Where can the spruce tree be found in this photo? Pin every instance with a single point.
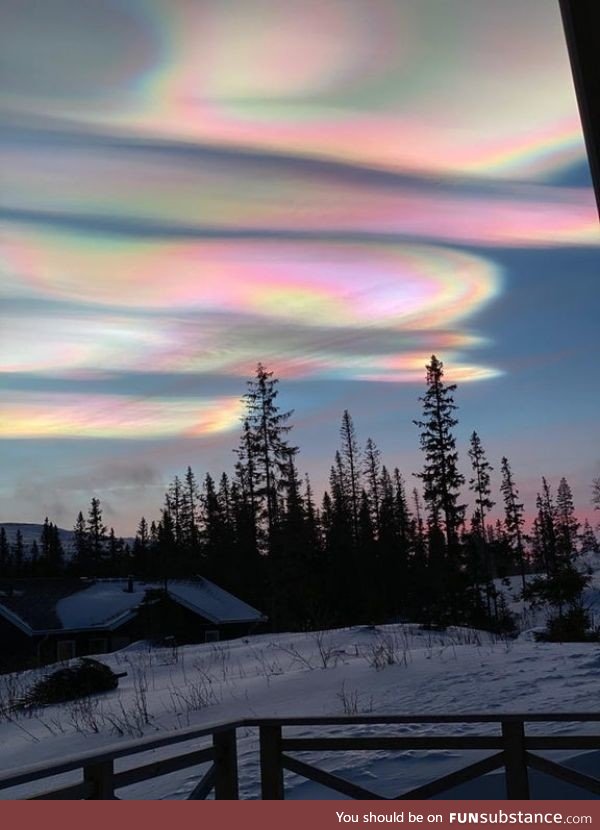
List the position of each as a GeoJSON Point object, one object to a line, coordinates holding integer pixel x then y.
{"type": "Point", "coordinates": [18, 553]}
{"type": "Point", "coordinates": [175, 506]}
{"type": "Point", "coordinates": [596, 493]}
{"type": "Point", "coordinates": [441, 478]}
{"type": "Point", "coordinates": [191, 510]}
{"type": "Point", "coordinates": [372, 471]}
{"type": "Point", "coordinates": [562, 585]}
{"type": "Point", "coordinates": [479, 484]}
{"type": "Point", "coordinates": [244, 499]}
{"type": "Point", "coordinates": [513, 516]}
{"type": "Point", "coordinates": [350, 455]}
{"type": "Point", "coordinates": [141, 548]}
{"type": "Point", "coordinates": [567, 526]}
{"type": "Point", "coordinates": [96, 532]}
{"type": "Point", "coordinates": [34, 558]}
{"type": "Point", "coordinates": [5, 557]}
{"type": "Point", "coordinates": [588, 541]}
{"type": "Point", "coordinates": [268, 428]}
{"type": "Point", "coordinates": [81, 544]}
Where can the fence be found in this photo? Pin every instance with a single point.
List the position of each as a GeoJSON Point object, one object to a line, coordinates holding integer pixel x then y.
{"type": "Point", "coordinates": [513, 750]}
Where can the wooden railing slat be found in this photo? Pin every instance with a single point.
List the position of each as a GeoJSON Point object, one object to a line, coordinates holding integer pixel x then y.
{"type": "Point", "coordinates": [570, 776]}
{"type": "Point", "coordinates": [100, 780]}
{"type": "Point", "coordinates": [73, 792]}
{"type": "Point", "coordinates": [562, 742]}
{"type": "Point", "coordinates": [112, 752]}
{"type": "Point", "coordinates": [225, 760]}
{"type": "Point", "coordinates": [271, 770]}
{"type": "Point", "coordinates": [517, 778]}
{"type": "Point", "coordinates": [453, 779]}
{"type": "Point", "coordinates": [204, 786]}
{"type": "Point", "coordinates": [162, 767]}
{"type": "Point", "coordinates": [101, 777]}
{"type": "Point", "coordinates": [390, 744]}
{"type": "Point", "coordinates": [327, 779]}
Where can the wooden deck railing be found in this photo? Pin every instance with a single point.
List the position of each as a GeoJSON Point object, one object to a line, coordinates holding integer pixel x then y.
{"type": "Point", "coordinates": [513, 750]}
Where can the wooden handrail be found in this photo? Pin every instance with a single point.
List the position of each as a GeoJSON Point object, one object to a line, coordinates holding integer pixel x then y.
{"type": "Point", "coordinates": [100, 780]}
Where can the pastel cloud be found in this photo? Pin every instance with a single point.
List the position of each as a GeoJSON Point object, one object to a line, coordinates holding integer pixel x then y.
{"type": "Point", "coordinates": [29, 415]}
{"type": "Point", "coordinates": [209, 307]}
{"type": "Point", "coordinates": [177, 189]}
{"type": "Point", "coordinates": [383, 84]}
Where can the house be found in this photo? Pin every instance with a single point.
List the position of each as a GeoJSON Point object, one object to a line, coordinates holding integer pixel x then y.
{"type": "Point", "coordinates": [45, 620]}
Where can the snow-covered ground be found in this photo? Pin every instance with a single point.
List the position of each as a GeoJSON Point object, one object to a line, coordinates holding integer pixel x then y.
{"type": "Point", "coordinates": [392, 669]}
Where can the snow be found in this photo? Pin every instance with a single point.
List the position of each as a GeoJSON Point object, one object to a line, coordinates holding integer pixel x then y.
{"type": "Point", "coordinates": [102, 603]}
{"type": "Point", "coordinates": [392, 669]}
{"type": "Point", "coordinates": [107, 602]}
{"type": "Point", "coordinates": [212, 602]}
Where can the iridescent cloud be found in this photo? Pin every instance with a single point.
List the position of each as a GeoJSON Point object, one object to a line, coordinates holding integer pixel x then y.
{"type": "Point", "coordinates": [389, 84]}
{"type": "Point", "coordinates": [113, 416]}
{"type": "Point", "coordinates": [179, 191]}
{"type": "Point", "coordinates": [218, 307]}
{"type": "Point", "coordinates": [309, 281]}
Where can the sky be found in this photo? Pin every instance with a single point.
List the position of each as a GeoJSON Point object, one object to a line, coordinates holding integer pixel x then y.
{"type": "Point", "coordinates": [336, 188]}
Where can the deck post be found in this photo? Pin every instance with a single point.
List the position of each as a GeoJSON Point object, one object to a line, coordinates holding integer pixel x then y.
{"type": "Point", "coordinates": [226, 766]}
{"type": "Point", "coordinates": [517, 778]}
{"type": "Point", "coordinates": [271, 770]}
{"type": "Point", "coordinates": [100, 776]}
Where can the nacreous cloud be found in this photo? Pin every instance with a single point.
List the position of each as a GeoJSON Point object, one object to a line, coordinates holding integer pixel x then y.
{"type": "Point", "coordinates": [29, 415]}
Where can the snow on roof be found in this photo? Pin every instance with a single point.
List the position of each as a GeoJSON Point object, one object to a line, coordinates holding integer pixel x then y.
{"type": "Point", "coordinates": [38, 605]}
{"type": "Point", "coordinates": [214, 603]}
{"type": "Point", "coordinates": [106, 603]}
{"type": "Point", "coordinates": [102, 604]}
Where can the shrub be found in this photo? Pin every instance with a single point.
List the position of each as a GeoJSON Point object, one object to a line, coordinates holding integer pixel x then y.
{"type": "Point", "coordinates": [86, 677]}
{"type": "Point", "coordinates": [570, 627]}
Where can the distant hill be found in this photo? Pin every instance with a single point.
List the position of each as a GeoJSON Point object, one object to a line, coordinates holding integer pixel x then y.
{"type": "Point", "coordinates": [32, 531]}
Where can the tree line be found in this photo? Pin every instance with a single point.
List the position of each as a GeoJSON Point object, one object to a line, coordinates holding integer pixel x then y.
{"type": "Point", "coordinates": [371, 549]}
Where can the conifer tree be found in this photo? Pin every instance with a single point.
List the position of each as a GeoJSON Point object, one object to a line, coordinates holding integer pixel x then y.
{"type": "Point", "coordinates": [34, 557]}
{"type": "Point", "coordinates": [441, 478]}
{"type": "Point", "coordinates": [401, 511]}
{"type": "Point", "coordinates": [5, 557]}
{"type": "Point", "coordinates": [190, 510]}
{"type": "Point", "coordinates": [312, 518]}
{"type": "Point", "coordinates": [567, 526]}
{"type": "Point", "coordinates": [479, 484]}
{"type": "Point", "coordinates": [175, 506]}
{"type": "Point", "coordinates": [215, 533]}
{"type": "Point", "coordinates": [372, 471]}
{"type": "Point", "coordinates": [547, 527]}
{"type": "Point", "coordinates": [596, 493]}
{"type": "Point", "coordinates": [168, 563]}
{"type": "Point", "coordinates": [588, 541]}
{"type": "Point", "coordinates": [56, 549]}
{"type": "Point", "coordinates": [141, 548]}
{"type": "Point", "coordinates": [388, 525]}
{"type": "Point", "coordinates": [562, 585]}
{"type": "Point", "coordinates": [268, 428]}
{"type": "Point", "coordinates": [96, 532]}
{"type": "Point", "coordinates": [350, 455]}
{"type": "Point", "coordinates": [18, 553]}
{"type": "Point", "coordinates": [81, 543]}
{"type": "Point", "coordinates": [513, 516]}
{"type": "Point", "coordinates": [46, 542]}
{"type": "Point", "coordinates": [115, 549]}
{"type": "Point", "coordinates": [244, 498]}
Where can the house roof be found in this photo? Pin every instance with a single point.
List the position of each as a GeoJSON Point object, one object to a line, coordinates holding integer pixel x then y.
{"type": "Point", "coordinates": [42, 606]}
